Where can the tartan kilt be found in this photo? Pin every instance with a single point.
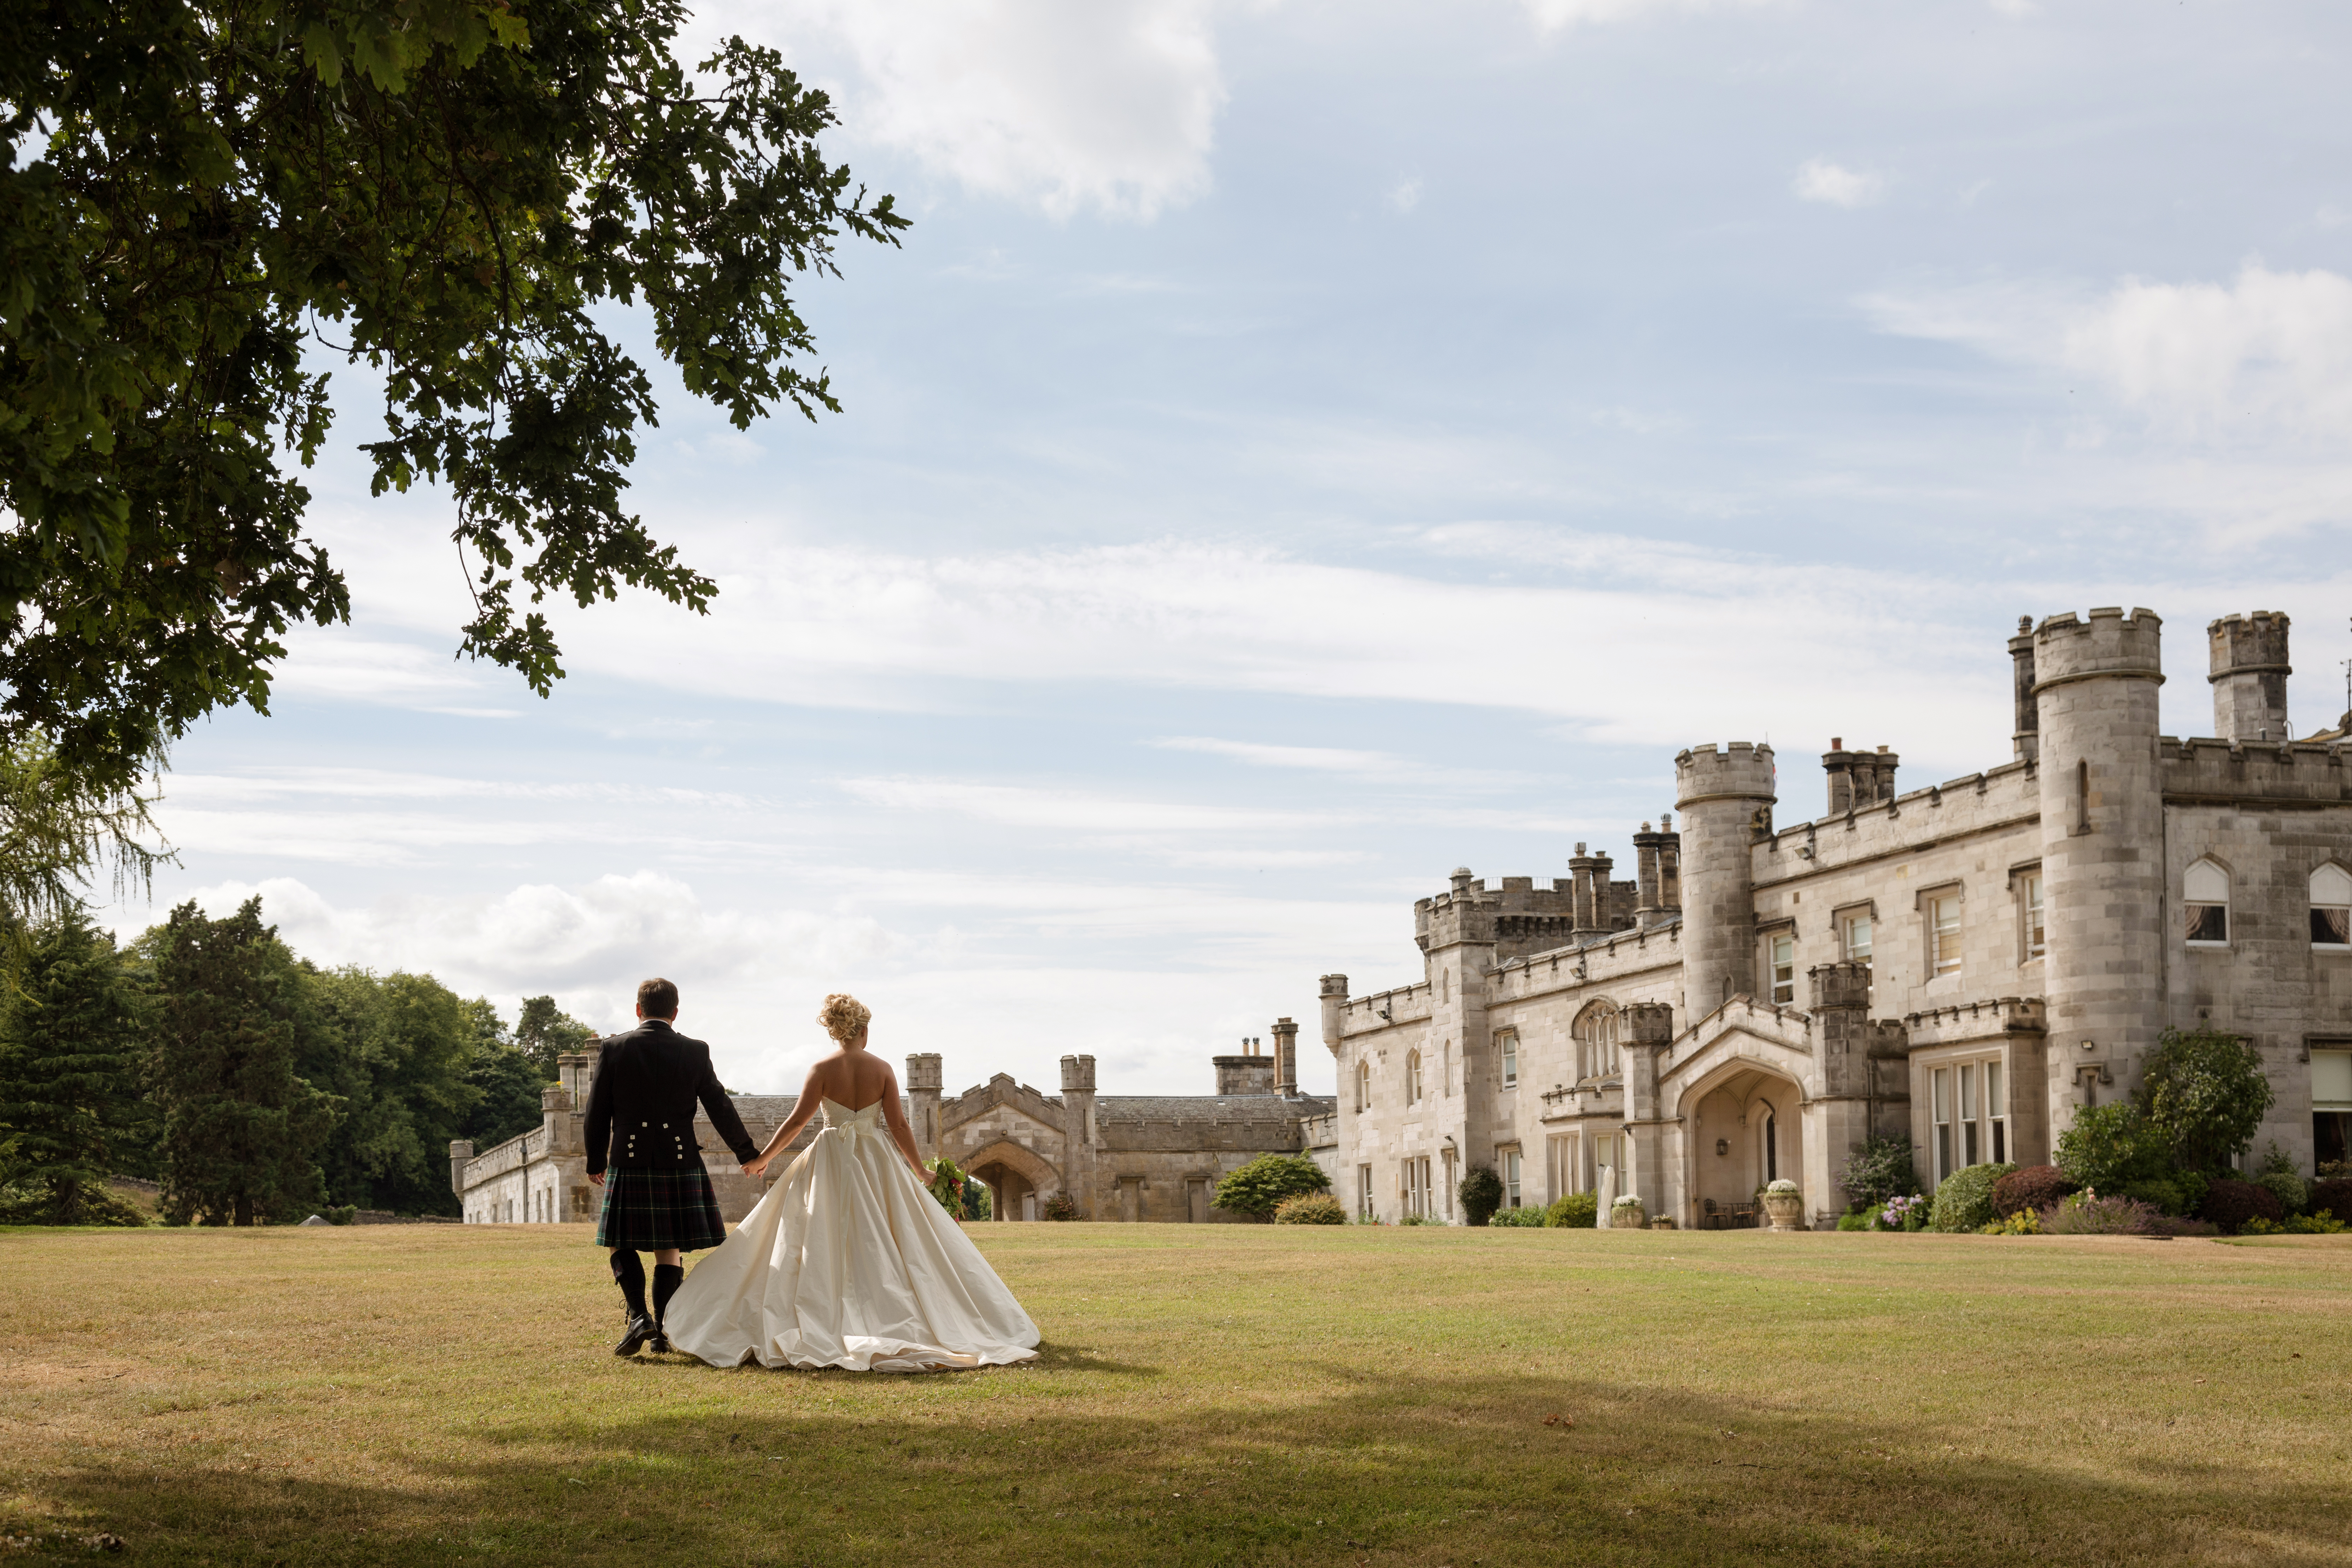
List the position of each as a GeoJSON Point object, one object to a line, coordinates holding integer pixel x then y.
{"type": "Point", "coordinates": [647, 1211]}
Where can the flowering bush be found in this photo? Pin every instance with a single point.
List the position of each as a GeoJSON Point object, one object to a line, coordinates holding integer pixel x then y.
{"type": "Point", "coordinates": [2023, 1221]}
{"type": "Point", "coordinates": [2231, 1205]}
{"type": "Point", "coordinates": [1908, 1212]}
{"type": "Point", "coordinates": [1580, 1211]}
{"type": "Point", "coordinates": [2088, 1214]}
{"type": "Point", "coordinates": [2033, 1187]}
{"type": "Point", "coordinates": [1964, 1201]}
{"type": "Point", "coordinates": [2320, 1224]}
{"type": "Point", "coordinates": [1310, 1208]}
{"type": "Point", "coordinates": [1061, 1205]}
{"type": "Point", "coordinates": [1783, 1185]}
{"type": "Point", "coordinates": [1881, 1169]}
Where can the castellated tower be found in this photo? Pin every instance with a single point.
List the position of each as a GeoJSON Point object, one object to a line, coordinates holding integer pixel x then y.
{"type": "Point", "coordinates": [2248, 677]}
{"type": "Point", "coordinates": [2094, 689]}
{"type": "Point", "coordinates": [1334, 997]}
{"type": "Point", "coordinates": [1723, 796]}
{"type": "Point", "coordinates": [923, 1081]}
{"type": "Point", "coordinates": [1078, 1139]}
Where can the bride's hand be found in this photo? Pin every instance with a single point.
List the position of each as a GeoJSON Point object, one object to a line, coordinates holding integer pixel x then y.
{"type": "Point", "coordinates": [756, 1168]}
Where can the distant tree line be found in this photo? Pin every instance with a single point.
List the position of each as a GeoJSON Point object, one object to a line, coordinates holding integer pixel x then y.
{"type": "Point", "coordinates": [254, 1085]}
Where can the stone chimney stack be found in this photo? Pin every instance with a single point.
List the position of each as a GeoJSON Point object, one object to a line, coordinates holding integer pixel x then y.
{"type": "Point", "coordinates": [2027, 737]}
{"type": "Point", "coordinates": [1285, 1058]}
{"type": "Point", "coordinates": [2248, 677]}
{"type": "Point", "coordinates": [1250, 1073]}
{"type": "Point", "coordinates": [1653, 876]}
{"type": "Point", "coordinates": [1588, 893]}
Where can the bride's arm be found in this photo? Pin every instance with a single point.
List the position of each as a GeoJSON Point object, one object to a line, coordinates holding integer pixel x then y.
{"type": "Point", "coordinates": [894, 1116]}
{"type": "Point", "coordinates": [809, 1096]}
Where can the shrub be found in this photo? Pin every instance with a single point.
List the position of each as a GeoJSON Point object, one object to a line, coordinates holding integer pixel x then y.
{"type": "Point", "coordinates": [2170, 1224]}
{"type": "Point", "coordinates": [1879, 1170]}
{"type": "Point", "coordinates": [1521, 1218]}
{"type": "Point", "coordinates": [1420, 1219]}
{"type": "Point", "coordinates": [1581, 1210]}
{"type": "Point", "coordinates": [2205, 1093]}
{"type": "Point", "coordinates": [2159, 1193]}
{"type": "Point", "coordinates": [2033, 1187]}
{"type": "Point", "coordinates": [1481, 1193]}
{"type": "Point", "coordinates": [2230, 1204]}
{"type": "Point", "coordinates": [1256, 1188]}
{"type": "Point", "coordinates": [343, 1216]}
{"type": "Point", "coordinates": [1310, 1208]}
{"type": "Point", "coordinates": [1854, 1222]}
{"type": "Point", "coordinates": [2021, 1222]}
{"type": "Point", "coordinates": [2334, 1195]}
{"type": "Point", "coordinates": [1061, 1205]}
{"type": "Point", "coordinates": [2291, 1191]}
{"type": "Point", "coordinates": [2087, 1214]}
{"type": "Point", "coordinates": [1908, 1212]}
{"type": "Point", "coordinates": [2320, 1224]}
{"type": "Point", "coordinates": [1964, 1202]}
{"type": "Point", "coordinates": [2108, 1146]}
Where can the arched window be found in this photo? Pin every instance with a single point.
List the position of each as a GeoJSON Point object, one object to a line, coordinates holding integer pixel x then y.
{"type": "Point", "coordinates": [2331, 907]}
{"type": "Point", "coordinates": [1596, 1042]}
{"type": "Point", "coordinates": [2205, 903]}
{"type": "Point", "coordinates": [1412, 1078]}
{"type": "Point", "coordinates": [1363, 1086]}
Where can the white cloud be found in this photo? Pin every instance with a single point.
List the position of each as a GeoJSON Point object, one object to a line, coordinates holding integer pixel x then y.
{"type": "Point", "coordinates": [1821, 181]}
{"type": "Point", "coordinates": [1405, 195]}
{"type": "Point", "coordinates": [1327, 759]}
{"type": "Point", "coordinates": [1069, 104]}
{"type": "Point", "coordinates": [1552, 15]}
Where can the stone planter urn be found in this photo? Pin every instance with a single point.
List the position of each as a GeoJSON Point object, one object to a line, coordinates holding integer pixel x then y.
{"type": "Point", "coordinates": [1627, 1214]}
{"type": "Point", "coordinates": [1786, 1204]}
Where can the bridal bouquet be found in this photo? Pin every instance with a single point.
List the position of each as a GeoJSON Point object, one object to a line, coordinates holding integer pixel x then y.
{"type": "Point", "coordinates": [947, 1186]}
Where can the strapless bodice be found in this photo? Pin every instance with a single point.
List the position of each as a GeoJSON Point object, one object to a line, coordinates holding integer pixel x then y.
{"type": "Point", "coordinates": [839, 1118]}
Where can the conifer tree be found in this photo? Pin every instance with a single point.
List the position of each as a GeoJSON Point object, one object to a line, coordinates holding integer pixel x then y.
{"type": "Point", "coordinates": [545, 1032]}
{"type": "Point", "coordinates": [241, 1130]}
{"type": "Point", "coordinates": [69, 1077]}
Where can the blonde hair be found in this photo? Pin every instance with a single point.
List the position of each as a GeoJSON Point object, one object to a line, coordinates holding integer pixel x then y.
{"type": "Point", "coordinates": [842, 1016]}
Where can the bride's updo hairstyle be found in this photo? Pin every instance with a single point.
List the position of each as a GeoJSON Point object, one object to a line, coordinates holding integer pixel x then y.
{"type": "Point", "coordinates": [843, 1016]}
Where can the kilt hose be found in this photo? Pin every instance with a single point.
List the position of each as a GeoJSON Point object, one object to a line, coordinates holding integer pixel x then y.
{"type": "Point", "coordinates": [648, 1211]}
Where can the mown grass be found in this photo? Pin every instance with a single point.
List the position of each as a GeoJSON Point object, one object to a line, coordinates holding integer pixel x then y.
{"type": "Point", "coordinates": [1208, 1394]}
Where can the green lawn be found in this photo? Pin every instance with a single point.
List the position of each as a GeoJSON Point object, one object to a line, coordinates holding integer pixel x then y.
{"type": "Point", "coordinates": [1207, 1395]}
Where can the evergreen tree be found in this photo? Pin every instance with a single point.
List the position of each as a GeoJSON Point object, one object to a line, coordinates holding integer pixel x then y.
{"type": "Point", "coordinates": [505, 1079]}
{"type": "Point", "coordinates": [397, 1050]}
{"type": "Point", "coordinates": [545, 1032]}
{"type": "Point", "coordinates": [69, 1077]}
{"type": "Point", "coordinates": [242, 1130]}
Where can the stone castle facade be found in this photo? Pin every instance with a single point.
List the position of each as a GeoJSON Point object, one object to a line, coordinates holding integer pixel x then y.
{"type": "Point", "coordinates": [1119, 1157]}
{"type": "Point", "coordinates": [1962, 965]}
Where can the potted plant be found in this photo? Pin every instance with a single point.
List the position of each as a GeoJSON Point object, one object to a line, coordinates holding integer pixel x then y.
{"type": "Point", "coordinates": [1627, 1214]}
{"type": "Point", "coordinates": [1785, 1203]}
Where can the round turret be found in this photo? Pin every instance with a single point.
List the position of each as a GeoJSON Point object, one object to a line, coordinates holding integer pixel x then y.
{"type": "Point", "coordinates": [2249, 675]}
{"type": "Point", "coordinates": [1724, 797]}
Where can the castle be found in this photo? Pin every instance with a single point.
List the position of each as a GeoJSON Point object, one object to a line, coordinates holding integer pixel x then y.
{"type": "Point", "coordinates": [1119, 1157]}
{"type": "Point", "coordinates": [1961, 966]}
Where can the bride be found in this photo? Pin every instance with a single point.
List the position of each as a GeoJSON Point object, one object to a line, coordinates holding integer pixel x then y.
{"type": "Point", "coordinates": [849, 1261]}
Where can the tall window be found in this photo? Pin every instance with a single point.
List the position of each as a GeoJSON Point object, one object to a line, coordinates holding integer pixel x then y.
{"type": "Point", "coordinates": [1447, 1191]}
{"type": "Point", "coordinates": [2205, 904]}
{"type": "Point", "coordinates": [2029, 889]}
{"type": "Point", "coordinates": [1509, 1042]}
{"type": "Point", "coordinates": [1944, 933]}
{"type": "Point", "coordinates": [1559, 1160]}
{"type": "Point", "coordinates": [1364, 1085]}
{"type": "Point", "coordinates": [1596, 1041]}
{"type": "Point", "coordinates": [1416, 1185]}
{"type": "Point", "coordinates": [1412, 1078]}
{"type": "Point", "coordinates": [1784, 970]}
{"type": "Point", "coordinates": [1971, 1115]}
{"type": "Point", "coordinates": [2331, 1106]}
{"type": "Point", "coordinates": [1510, 1178]}
{"type": "Point", "coordinates": [2331, 907]}
{"type": "Point", "coordinates": [1364, 1191]}
{"type": "Point", "coordinates": [1854, 938]}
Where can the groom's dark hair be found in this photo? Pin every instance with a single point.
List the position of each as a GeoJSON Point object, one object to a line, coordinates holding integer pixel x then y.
{"type": "Point", "coordinates": [658, 998]}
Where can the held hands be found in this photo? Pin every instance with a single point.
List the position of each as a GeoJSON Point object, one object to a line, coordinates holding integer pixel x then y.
{"type": "Point", "coordinates": [756, 1167]}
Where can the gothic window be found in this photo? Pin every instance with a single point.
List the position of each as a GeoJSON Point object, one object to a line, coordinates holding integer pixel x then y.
{"type": "Point", "coordinates": [2331, 907]}
{"type": "Point", "coordinates": [2205, 904]}
{"type": "Point", "coordinates": [1363, 1086]}
{"type": "Point", "coordinates": [1596, 1042]}
{"type": "Point", "coordinates": [1412, 1078]}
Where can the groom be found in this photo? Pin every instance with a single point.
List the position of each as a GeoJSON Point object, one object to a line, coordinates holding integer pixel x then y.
{"type": "Point", "coordinates": [641, 1123]}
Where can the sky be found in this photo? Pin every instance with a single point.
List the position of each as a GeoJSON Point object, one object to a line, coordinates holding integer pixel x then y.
{"type": "Point", "coordinates": [1301, 448]}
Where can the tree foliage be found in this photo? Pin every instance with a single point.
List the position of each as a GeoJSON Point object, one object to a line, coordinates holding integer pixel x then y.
{"type": "Point", "coordinates": [196, 196]}
{"type": "Point", "coordinates": [398, 1051]}
{"type": "Point", "coordinates": [58, 835]}
{"type": "Point", "coordinates": [1481, 1193]}
{"type": "Point", "coordinates": [241, 1129]}
{"type": "Point", "coordinates": [2105, 1147]}
{"type": "Point", "coordinates": [1257, 1188]}
{"type": "Point", "coordinates": [70, 1068]}
{"type": "Point", "coordinates": [2204, 1094]}
{"type": "Point", "coordinates": [1879, 1169]}
{"type": "Point", "coordinates": [545, 1032]}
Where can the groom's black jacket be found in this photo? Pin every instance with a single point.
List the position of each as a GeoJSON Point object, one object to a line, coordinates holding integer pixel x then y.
{"type": "Point", "coordinates": [641, 1107]}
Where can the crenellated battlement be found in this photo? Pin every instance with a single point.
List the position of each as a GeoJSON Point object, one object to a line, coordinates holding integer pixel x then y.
{"type": "Point", "coordinates": [2202, 770]}
{"type": "Point", "coordinates": [2068, 648]}
{"type": "Point", "coordinates": [1742, 771]}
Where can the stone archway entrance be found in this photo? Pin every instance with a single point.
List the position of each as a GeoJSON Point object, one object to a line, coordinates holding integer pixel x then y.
{"type": "Point", "coordinates": [1744, 1127]}
{"type": "Point", "coordinates": [1018, 1182]}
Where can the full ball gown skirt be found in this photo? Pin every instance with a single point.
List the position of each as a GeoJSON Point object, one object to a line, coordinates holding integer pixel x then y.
{"type": "Point", "coordinates": [849, 1262]}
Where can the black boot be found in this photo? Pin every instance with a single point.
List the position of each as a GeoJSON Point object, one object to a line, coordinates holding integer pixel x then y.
{"type": "Point", "coordinates": [629, 1274]}
{"type": "Point", "coordinates": [668, 1278]}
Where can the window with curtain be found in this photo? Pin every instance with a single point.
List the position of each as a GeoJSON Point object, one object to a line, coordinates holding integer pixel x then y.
{"type": "Point", "coordinates": [2331, 907]}
{"type": "Point", "coordinates": [2028, 888]}
{"type": "Point", "coordinates": [1944, 934]}
{"type": "Point", "coordinates": [2205, 905]}
{"type": "Point", "coordinates": [1784, 970]}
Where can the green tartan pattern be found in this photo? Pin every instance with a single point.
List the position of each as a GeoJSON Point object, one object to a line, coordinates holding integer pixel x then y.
{"type": "Point", "coordinates": [649, 1210]}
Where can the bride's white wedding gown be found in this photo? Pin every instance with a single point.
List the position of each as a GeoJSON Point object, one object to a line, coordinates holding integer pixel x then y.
{"type": "Point", "coordinates": [850, 1262]}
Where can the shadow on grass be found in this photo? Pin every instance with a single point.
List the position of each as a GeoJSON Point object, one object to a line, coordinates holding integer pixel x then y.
{"type": "Point", "coordinates": [1393, 1468]}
